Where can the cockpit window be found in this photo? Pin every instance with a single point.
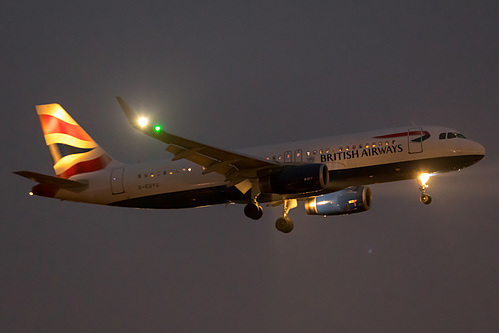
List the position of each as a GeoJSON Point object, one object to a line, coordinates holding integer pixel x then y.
{"type": "Point", "coordinates": [451, 135]}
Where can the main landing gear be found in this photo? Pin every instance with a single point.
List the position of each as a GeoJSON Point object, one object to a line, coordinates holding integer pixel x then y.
{"type": "Point", "coordinates": [425, 198]}
{"type": "Point", "coordinates": [253, 211]}
{"type": "Point", "coordinates": [284, 224]}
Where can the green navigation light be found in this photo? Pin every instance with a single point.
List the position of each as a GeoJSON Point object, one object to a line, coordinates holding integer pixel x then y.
{"type": "Point", "coordinates": [157, 128]}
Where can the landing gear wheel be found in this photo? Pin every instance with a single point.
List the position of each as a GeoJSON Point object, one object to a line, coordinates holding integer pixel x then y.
{"type": "Point", "coordinates": [284, 224]}
{"type": "Point", "coordinates": [253, 211]}
{"type": "Point", "coordinates": [425, 198]}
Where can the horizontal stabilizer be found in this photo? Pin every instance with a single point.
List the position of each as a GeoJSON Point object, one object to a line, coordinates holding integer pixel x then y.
{"type": "Point", "coordinates": [66, 184]}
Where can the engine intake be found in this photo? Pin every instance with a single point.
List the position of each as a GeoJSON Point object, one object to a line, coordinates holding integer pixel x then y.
{"type": "Point", "coordinates": [296, 179]}
{"type": "Point", "coordinates": [351, 200]}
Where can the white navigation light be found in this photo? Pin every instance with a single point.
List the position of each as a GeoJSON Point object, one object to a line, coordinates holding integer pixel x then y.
{"type": "Point", "coordinates": [143, 121]}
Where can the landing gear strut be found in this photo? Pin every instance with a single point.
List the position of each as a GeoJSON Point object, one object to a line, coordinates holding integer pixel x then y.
{"type": "Point", "coordinates": [425, 198]}
{"type": "Point", "coordinates": [284, 224]}
{"type": "Point", "coordinates": [253, 210]}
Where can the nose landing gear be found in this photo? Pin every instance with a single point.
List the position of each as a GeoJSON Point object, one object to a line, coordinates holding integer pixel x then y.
{"type": "Point", "coordinates": [425, 198]}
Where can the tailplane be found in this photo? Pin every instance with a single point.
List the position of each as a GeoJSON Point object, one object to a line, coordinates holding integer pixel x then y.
{"type": "Point", "coordinates": [73, 150]}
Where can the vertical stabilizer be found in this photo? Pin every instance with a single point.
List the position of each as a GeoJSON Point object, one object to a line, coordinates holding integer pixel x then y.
{"type": "Point", "coordinates": [72, 149]}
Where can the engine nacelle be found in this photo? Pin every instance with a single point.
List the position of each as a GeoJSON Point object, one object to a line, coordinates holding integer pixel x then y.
{"type": "Point", "coordinates": [296, 179]}
{"type": "Point", "coordinates": [351, 200]}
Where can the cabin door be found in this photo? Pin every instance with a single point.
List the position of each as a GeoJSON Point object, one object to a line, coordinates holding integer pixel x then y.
{"type": "Point", "coordinates": [415, 140]}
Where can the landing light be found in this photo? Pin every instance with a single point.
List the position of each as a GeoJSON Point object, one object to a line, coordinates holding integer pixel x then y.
{"type": "Point", "coordinates": [424, 178]}
{"type": "Point", "coordinates": [142, 121]}
{"type": "Point", "coordinates": [30, 193]}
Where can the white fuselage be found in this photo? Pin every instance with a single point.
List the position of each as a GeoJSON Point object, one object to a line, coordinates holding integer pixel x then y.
{"type": "Point", "coordinates": [359, 159]}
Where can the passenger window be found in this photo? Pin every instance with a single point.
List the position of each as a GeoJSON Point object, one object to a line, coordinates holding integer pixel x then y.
{"type": "Point", "coordinates": [298, 155]}
{"type": "Point", "coordinates": [451, 135]}
{"type": "Point", "coordinates": [441, 136]}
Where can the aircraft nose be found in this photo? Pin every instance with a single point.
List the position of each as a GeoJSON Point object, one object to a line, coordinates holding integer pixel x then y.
{"type": "Point", "coordinates": [477, 150]}
{"type": "Point", "coordinates": [480, 150]}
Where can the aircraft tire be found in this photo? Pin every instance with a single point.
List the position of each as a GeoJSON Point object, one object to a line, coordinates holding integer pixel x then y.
{"type": "Point", "coordinates": [283, 224]}
{"type": "Point", "coordinates": [425, 198]}
{"type": "Point", "coordinates": [253, 211]}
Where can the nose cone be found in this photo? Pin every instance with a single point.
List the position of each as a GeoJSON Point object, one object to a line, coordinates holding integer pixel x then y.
{"type": "Point", "coordinates": [476, 151]}
{"type": "Point", "coordinates": [482, 149]}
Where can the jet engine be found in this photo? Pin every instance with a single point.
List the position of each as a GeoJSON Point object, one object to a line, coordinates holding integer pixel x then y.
{"type": "Point", "coordinates": [296, 179]}
{"type": "Point", "coordinates": [351, 200]}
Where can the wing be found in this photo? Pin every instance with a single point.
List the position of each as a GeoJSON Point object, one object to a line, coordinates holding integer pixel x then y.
{"type": "Point", "coordinates": [235, 167]}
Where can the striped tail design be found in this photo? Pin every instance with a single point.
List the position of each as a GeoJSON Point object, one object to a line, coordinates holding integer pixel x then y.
{"type": "Point", "coordinates": [73, 150]}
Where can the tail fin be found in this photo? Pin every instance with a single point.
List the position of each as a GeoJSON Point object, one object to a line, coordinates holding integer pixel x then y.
{"type": "Point", "coordinates": [73, 150]}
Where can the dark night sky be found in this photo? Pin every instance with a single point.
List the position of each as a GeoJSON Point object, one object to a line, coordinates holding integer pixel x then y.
{"type": "Point", "coordinates": [238, 74]}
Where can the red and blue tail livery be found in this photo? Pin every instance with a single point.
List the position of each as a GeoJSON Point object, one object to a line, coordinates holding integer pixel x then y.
{"type": "Point", "coordinates": [330, 175]}
{"type": "Point", "coordinates": [73, 150]}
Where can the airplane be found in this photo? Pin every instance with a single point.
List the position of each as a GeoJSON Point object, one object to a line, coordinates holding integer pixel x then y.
{"type": "Point", "coordinates": [329, 174]}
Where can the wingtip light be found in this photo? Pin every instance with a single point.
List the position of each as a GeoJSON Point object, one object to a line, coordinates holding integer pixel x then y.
{"type": "Point", "coordinates": [143, 122]}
